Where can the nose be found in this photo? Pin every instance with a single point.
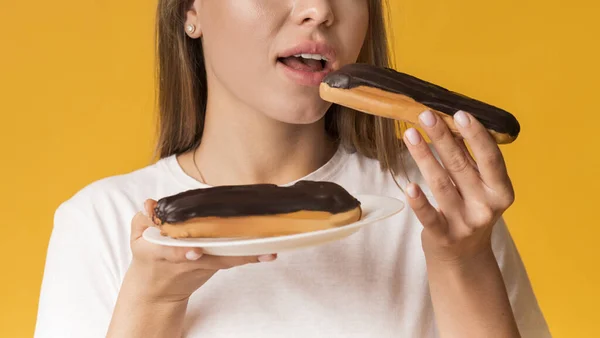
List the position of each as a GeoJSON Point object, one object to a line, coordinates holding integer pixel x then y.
{"type": "Point", "coordinates": [313, 12]}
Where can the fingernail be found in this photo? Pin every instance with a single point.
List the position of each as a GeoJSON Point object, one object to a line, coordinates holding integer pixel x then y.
{"type": "Point", "coordinates": [192, 255]}
{"type": "Point", "coordinates": [427, 118]}
{"type": "Point", "coordinates": [412, 190]}
{"type": "Point", "coordinates": [461, 118]}
{"type": "Point", "coordinates": [266, 258]}
{"type": "Point", "coordinates": [413, 136]}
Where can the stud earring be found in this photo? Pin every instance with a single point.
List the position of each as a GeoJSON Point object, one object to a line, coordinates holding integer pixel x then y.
{"type": "Point", "coordinates": [191, 28]}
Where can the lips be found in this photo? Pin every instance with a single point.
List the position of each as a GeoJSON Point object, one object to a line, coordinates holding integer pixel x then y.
{"type": "Point", "coordinates": [307, 63]}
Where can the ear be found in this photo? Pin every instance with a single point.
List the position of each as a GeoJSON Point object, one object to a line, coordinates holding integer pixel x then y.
{"type": "Point", "coordinates": [192, 25]}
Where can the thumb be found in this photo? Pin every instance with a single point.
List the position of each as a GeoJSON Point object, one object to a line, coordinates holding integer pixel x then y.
{"type": "Point", "coordinates": [425, 212]}
{"type": "Point", "coordinates": [143, 220]}
{"type": "Point", "coordinates": [139, 223]}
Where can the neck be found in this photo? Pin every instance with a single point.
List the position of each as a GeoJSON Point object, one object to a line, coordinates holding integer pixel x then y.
{"type": "Point", "coordinates": [242, 146]}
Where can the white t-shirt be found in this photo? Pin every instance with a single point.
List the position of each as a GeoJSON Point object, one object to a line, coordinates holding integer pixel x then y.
{"type": "Point", "coordinates": [371, 284]}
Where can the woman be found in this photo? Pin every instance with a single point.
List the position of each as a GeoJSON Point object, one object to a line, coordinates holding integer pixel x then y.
{"type": "Point", "coordinates": [236, 107]}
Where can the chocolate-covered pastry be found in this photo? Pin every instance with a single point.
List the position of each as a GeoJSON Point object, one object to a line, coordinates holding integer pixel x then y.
{"type": "Point", "coordinates": [257, 210]}
{"type": "Point", "coordinates": [392, 94]}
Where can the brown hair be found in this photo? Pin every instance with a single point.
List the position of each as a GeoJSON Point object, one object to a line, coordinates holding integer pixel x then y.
{"type": "Point", "coordinates": [182, 91]}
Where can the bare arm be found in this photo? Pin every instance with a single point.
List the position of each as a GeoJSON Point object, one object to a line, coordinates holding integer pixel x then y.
{"type": "Point", "coordinates": [468, 292]}
{"type": "Point", "coordinates": [470, 299]}
{"type": "Point", "coordinates": [153, 298]}
{"type": "Point", "coordinates": [138, 315]}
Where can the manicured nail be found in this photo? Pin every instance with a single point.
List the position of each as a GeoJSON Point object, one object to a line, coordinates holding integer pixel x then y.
{"type": "Point", "coordinates": [413, 136]}
{"type": "Point", "coordinates": [427, 118]}
{"type": "Point", "coordinates": [461, 118]}
{"type": "Point", "coordinates": [413, 191]}
{"type": "Point", "coordinates": [266, 258]}
{"type": "Point", "coordinates": [192, 255]}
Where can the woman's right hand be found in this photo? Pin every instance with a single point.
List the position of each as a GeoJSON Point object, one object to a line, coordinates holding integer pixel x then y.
{"type": "Point", "coordinates": [160, 281]}
{"type": "Point", "coordinates": [172, 274]}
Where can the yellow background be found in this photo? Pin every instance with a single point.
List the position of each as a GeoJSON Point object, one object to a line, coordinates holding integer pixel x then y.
{"type": "Point", "coordinates": [76, 101]}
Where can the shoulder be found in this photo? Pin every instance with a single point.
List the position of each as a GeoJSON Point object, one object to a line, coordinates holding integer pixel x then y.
{"type": "Point", "coordinates": [116, 198]}
{"type": "Point", "coordinates": [88, 252]}
{"type": "Point", "coordinates": [123, 186]}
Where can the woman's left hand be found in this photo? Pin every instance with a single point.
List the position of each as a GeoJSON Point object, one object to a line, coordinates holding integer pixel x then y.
{"type": "Point", "coordinates": [472, 193]}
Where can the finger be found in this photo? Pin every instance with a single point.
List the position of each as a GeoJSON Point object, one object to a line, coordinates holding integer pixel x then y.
{"type": "Point", "coordinates": [456, 163]}
{"type": "Point", "coordinates": [177, 254]}
{"type": "Point", "coordinates": [429, 217]}
{"type": "Point", "coordinates": [463, 146]}
{"type": "Point", "coordinates": [210, 262]}
{"type": "Point", "coordinates": [149, 206]}
{"type": "Point", "coordinates": [487, 154]}
{"type": "Point", "coordinates": [139, 223]}
{"type": "Point", "coordinates": [437, 178]}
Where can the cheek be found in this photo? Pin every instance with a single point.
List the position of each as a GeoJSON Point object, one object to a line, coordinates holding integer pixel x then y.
{"type": "Point", "coordinates": [353, 29]}
{"type": "Point", "coordinates": [235, 36]}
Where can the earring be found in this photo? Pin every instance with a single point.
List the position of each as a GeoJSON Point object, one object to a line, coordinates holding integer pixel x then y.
{"type": "Point", "coordinates": [191, 28]}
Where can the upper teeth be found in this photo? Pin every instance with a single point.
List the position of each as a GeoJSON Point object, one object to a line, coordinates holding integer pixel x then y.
{"type": "Point", "coordinates": [311, 56]}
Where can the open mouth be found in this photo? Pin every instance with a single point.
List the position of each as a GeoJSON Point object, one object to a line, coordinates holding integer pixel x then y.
{"type": "Point", "coordinates": [312, 63]}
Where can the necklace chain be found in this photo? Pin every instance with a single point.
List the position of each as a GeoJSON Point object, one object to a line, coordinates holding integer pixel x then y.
{"type": "Point", "coordinates": [202, 180]}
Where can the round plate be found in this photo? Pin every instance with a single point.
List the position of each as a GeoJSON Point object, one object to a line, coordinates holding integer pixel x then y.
{"type": "Point", "coordinates": [374, 208]}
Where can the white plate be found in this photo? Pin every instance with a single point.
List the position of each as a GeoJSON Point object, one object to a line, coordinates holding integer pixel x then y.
{"type": "Point", "coordinates": [374, 208]}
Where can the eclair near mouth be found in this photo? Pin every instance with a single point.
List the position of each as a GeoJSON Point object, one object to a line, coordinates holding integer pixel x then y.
{"type": "Point", "coordinates": [391, 94]}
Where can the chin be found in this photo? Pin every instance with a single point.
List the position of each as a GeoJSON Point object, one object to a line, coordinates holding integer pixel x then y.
{"type": "Point", "coordinates": [307, 119]}
{"type": "Point", "coordinates": [299, 118]}
{"type": "Point", "coordinates": [291, 104]}
{"type": "Point", "coordinates": [301, 114]}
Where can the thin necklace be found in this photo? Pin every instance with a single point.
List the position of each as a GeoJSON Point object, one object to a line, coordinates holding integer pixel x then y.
{"type": "Point", "coordinates": [196, 165]}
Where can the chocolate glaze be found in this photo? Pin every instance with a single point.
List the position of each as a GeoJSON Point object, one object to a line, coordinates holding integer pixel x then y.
{"type": "Point", "coordinates": [256, 199]}
{"type": "Point", "coordinates": [428, 94]}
